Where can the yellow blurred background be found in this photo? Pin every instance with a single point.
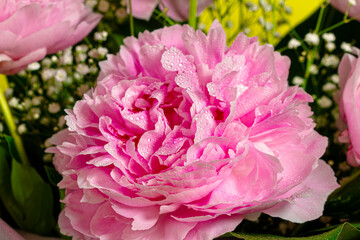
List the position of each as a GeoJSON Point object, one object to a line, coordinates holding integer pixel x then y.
{"type": "Point", "coordinates": [235, 17]}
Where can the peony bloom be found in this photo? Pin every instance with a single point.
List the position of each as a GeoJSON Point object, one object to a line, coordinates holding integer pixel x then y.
{"type": "Point", "coordinates": [182, 138]}
{"type": "Point", "coordinates": [349, 73]}
{"type": "Point", "coordinates": [176, 9]}
{"type": "Point", "coordinates": [342, 6]}
{"type": "Point", "coordinates": [30, 29]}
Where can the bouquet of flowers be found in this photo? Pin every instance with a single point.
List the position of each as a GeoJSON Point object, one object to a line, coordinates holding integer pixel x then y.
{"type": "Point", "coordinates": [180, 120]}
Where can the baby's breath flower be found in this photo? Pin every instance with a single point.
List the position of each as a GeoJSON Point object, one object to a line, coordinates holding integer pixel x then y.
{"type": "Point", "coordinates": [298, 80]}
{"type": "Point", "coordinates": [54, 59]}
{"type": "Point", "coordinates": [35, 113]}
{"type": "Point", "coordinates": [91, 3]}
{"type": "Point", "coordinates": [61, 121]}
{"type": "Point", "coordinates": [34, 66]}
{"type": "Point", "coordinates": [82, 68]}
{"type": "Point", "coordinates": [335, 78]}
{"type": "Point", "coordinates": [329, 37]}
{"type": "Point", "coordinates": [103, 6]}
{"type": "Point", "coordinates": [36, 101]}
{"type": "Point", "coordinates": [352, 2]}
{"type": "Point", "coordinates": [102, 51]}
{"type": "Point", "coordinates": [312, 38]}
{"type": "Point", "coordinates": [314, 69]}
{"type": "Point", "coordinates": [54, 108]}
{"type": "Point", "coordinates": [324, 102]}
{"type": "Point", "coordinates": [22, 128]}
{"type": "Point", "coordinates": [83, 88]}
{"type": "Point", "coordinates": [201, 26]}
{"type": "Point", "coordinates": [346, 47]}
{"type": "Point", "coordinates": [13, 102]}
{"type": "Point", "coordinates": [251, 6]}
{"type": "Point", "coordinates": [229, 24]}
{"type": "Point", "coordinates": [81, 57]}
{"type": "Point", "coordinates": [330, 46]}
{"type": "Point", "coordinates": [47, 74]}
{"type": "Point", "coordinates": [83, 48]}
{"type": "Point", "coordinates": [293, 43]}
{"type": "Point", "coordinates": [330, 61]}
{"type": "Point", "coordinates": [60, 75]}
{"type": "Point", "coordinates": [121, 14]}
{"type": "Point", "coordinates": [288, 10]}
{"type": "Point", "coordinates": [46, 62]}
{"type": "Point", "coordinates": [328, 87]}
{"type": "Point", "coordinates": [100, 36]}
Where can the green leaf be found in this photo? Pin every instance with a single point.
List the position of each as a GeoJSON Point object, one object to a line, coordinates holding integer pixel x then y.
{"type": "Point", "coordinates": [12, 148]}
{"type": "Point", "coordinates": [6, 196]}
{"type": "Point", "coordinates": [53, 176]}
{"type": "Point", "coordinates": [345, 231]}
{"type": "Point", "coordinates": [34, 198]}
{"type": "Point", "coordinates": [344, 202]}
{"type": "Point", "coordinates": [119, 38]}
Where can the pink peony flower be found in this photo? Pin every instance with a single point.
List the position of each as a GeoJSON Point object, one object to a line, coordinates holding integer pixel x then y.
{"type": "Point", "coordinates": [349, 106]}
{"type": "Point", "coordinates": [184, 137]}
{"type": "Point", "coordinates": [176, 9]}
{"type": "Point", "coordinates": [343, 5]}
{"type": "Point", "coordinates": [30, 29]}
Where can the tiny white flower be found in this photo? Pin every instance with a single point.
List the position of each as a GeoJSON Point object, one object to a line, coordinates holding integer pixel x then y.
{"type": "Point", "coordinates": [100, 36]}
{"type": "Point", "coordinates": [22, 128]}
{"type": "Point", "coordinates": [47, 74]}
{"type": "Point", "coordinates": [252, 7]}
{"type": "Point", "coordinates": [324, 102]}
{"type": "Point", "coordinates": [346, 47]}
{"type": "Point", "coordinates": [36, 101]}
{"type": "Point", "coordinates": [60, 75]}
{"type": "Point", "coordinates": [61, 121]}
{"type": "Point", "coordinates": [54, 108]}
{"type": "Point", "coordinates": [46, 62]}
{"type": "Point", "coordinates": [91, 3]}
{"type": "Point", "coordinates": [54, 59]}
{"type": "Point", "coordinates": [81, 57]}
{"type": "Point", "coordinates": [83, 48]}
{"type": "Point", "coordinates": [330, 46]}
{"type": "Point", "coordinates": [329, 37]}
{"type": "Point", "coordinates": [35, 113]}
{"type": "Point", "coordinates": [312, 38]}
{"type": "Point", "coordinates": [67, 59]}
{"type": "Point", "coordinates": [103, 6]}
{"type": "Point", "coordinates": [288, 10]}
{"type": "Point", "coordinates": [82, 69]}
{"type": "Point", "coordinates": [261, 20]}
{"type": "Point", "coordinates": [34, 66]}
{"type": "Point", "coordinates": [298, 80]}
{"type": "Point", "coordinates": [229, 24]}
{"type": "Point", "coordinates": [83, 88]}
{"type": "Point", "coordinates": [329, 87]}
{"type": "Point", "coordinates": [13, 102]}
{"type": "Point", "coordinates": [201, 26]}
{"type": "Point", "coordinates": [102, 51]}
{"type": "Point", "coordinates": [314, 69]}
{"type": "Point", "coordinates": [335, 78]}
{"type": "Point", "coordinates": [330, 61]}
{"type": "Point", "coordinates": [294, 43]}
{"type": "Point", "coordinates": [352, 2]}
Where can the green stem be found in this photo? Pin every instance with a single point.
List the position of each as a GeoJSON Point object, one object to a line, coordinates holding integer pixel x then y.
{"type": "Point", "coordinates": [10, 122]}
{"type": "Point", "coordinates": [192, 13]}
{"type": "Point", "coordinates": [312, 53]}
{"type": "Point", "coordinates": [131, 19]}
